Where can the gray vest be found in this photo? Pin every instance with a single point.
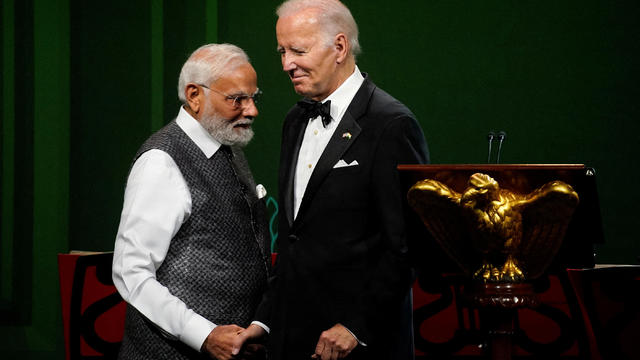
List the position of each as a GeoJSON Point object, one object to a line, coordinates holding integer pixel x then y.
{"type": "Point", "coordinates": [218, 262]}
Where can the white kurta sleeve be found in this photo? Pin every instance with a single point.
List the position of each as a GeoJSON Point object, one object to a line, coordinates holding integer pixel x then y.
{"type": "Point", "coordinates": [156, 203]}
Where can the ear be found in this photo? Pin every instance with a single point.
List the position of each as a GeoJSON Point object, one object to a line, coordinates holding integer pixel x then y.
{"type": "Point", "coordinates": [194, 96]}
{"type": "Point", "coordinates": [341, 44]}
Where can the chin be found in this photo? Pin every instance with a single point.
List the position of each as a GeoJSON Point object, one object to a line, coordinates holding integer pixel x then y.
{"type": "Point", "coordinates": [301, 87]}
{"type": "Point", "coordinates": [300, 90]}
{"type": "Point", "coordinates": [243, 138]}
{"type": "Point", "coordinates": [306, 93]}
{"type": "Point", "coordinates": [243, 132]}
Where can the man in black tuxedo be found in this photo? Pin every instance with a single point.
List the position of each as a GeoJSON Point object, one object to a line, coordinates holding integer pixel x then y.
{"type": "Point", "coordinates": [342, 281]}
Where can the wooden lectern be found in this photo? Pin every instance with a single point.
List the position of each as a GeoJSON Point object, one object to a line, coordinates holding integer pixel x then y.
{"type": "Point", "coordinates": [504, 225]}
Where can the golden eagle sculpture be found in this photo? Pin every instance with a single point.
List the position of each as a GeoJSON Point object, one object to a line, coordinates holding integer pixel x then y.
{"type": "Point", "coordinates": [493, 233]}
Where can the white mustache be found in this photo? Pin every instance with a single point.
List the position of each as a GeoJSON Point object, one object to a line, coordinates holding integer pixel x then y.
{"type": "Point", "coordinates": [243, 121]}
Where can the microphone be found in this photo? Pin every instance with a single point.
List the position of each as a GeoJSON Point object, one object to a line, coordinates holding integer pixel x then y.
{"type": "Point", "coordinates": [490, 138]}
{"type": "Point", "coordinates": [501, 136]}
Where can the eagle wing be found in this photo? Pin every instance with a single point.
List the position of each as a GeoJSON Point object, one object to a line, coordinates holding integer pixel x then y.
{"type": "Point", "coordinates": [546, 212]}
{"type": "Point", "coordinates": [439, 209]}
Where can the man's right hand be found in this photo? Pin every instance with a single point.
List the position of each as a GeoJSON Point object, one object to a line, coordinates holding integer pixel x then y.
{"type": "Point", "coordinates": [220, 341]}
{"type": "Point", "coordinates": [335, 343]}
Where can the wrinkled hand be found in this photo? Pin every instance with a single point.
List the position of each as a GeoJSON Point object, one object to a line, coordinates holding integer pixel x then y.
{"type": "Point", "coordinates": [334, 343]}
{"type": "Point", "coordinates": [252, 352]}
{"type": "Point", "coordinates": [251, 333]}
{"type": "Point", "coordinates": [219, 342]}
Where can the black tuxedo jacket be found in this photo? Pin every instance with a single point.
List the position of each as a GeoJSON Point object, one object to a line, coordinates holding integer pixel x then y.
{"type": "Point", "coordinates": [344, 258]}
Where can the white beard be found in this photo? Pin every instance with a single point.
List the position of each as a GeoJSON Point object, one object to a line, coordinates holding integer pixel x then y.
{"type": "Point", "coordinates": [224, 131]}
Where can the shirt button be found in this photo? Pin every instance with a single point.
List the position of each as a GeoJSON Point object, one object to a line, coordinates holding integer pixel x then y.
{"type": "Point", "coordinates": [309, 166]}
{"type": "Point", "coordinates": [315, 132]}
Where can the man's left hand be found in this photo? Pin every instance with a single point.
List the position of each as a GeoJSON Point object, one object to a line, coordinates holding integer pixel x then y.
{"type": "Point", "coordinates": [335, 343]}
{"type": "Point", "coordinates": [252, 352]}
{"type": "Point", "coordinates": [253, 332]}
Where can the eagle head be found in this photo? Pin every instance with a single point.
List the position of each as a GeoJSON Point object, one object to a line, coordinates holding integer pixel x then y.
{"type": "Point", "coordinates": [481, 191]}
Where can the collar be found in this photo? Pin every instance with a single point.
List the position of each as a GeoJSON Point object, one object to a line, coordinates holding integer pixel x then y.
{"type": "Point", "coordinates": [197, 133]}
{"type": "Point", "coordinates": [342, 96]}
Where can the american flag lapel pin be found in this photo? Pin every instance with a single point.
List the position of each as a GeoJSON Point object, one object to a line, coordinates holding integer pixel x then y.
{"type": "Point", "coordinates": [346, 135]}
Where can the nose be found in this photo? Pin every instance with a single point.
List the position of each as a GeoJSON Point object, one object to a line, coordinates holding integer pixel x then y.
{"type": "Point", "coordinates": [250, 110]}
{"type": "Point", "coordinates": [287, 62]}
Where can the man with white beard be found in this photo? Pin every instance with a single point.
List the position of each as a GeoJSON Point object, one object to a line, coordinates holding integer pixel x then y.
{"type": "Point", "coordinates": [191, 254]}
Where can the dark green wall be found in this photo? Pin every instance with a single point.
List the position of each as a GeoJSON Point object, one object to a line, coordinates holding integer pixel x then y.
{"type": "Point", "coordinates": [84, 83]}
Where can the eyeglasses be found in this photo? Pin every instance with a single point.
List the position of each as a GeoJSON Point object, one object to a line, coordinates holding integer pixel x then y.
{"type": "Point", "coordinates": [240, 100]}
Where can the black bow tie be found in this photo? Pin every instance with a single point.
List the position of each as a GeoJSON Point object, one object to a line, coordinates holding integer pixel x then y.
{"type": "Point", "coordinates": [314, 108]}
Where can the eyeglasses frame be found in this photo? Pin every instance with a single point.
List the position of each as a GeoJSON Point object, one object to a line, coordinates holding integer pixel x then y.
{"type": "Point", "coordinates": [236, 99]}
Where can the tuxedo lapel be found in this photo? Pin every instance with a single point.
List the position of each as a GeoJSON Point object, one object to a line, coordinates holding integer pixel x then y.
{"type": "Point", "coordinates": [295, 136]}
{"type": "Point", "coordinates": [332, 153]}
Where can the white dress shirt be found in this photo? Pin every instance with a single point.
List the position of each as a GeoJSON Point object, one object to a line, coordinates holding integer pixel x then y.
{"type": "Point", "coordinates": [316, 136]}
{"type": "Point", "coordinates": [157, 202]}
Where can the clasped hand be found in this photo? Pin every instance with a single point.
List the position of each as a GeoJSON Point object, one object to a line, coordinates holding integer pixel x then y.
{"type": "Point", "coordinates": [226, 342]}
{"type": "Point", "coordinates": [335, 343]}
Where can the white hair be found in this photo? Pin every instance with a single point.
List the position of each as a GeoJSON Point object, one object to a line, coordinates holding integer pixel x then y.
{"type": "Point", "coordinates": [209, 63]}
{"type": "Point", "coordinates": [334, 18]}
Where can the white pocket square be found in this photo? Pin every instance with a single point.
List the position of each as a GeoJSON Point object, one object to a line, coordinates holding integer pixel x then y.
{"type": "Point", "coordinates": [343, 163]}
{"type": "Point", "coordinates": [261, 191]}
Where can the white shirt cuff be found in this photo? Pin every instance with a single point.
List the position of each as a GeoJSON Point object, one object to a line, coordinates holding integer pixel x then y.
{"type": "Point", "coordinates": [196, 331]}
{"type": "Point", "coordinates": [265, 327]}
